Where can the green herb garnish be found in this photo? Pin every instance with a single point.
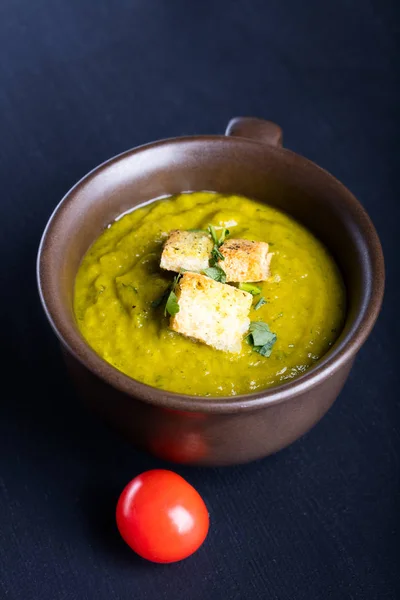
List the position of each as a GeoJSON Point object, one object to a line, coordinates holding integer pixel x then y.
{"type": "Point", "coordinates": [216, 273]}
{"type": "Point", "coordinates": [260, 303]}
{"type": "Point", "coordinates": [249, 287]}
{"type": "Point", "coordinates": [266, 350]}
{"type": "Point", "coordinates": [169, 298]}
{"type": "Point", "coordinates": [261, 337]}
{"type": "Point", "coordinates": [213, 234]}
{"type": "Point", "coordinates": [171, 306]}
{"type": "Point", "coordinates": [222, 237]}
{"type": "Point", "coordinates": [216, 255]}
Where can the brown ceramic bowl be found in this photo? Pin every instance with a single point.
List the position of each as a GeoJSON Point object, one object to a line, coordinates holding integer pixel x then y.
{"type": "Point", "coordinates": [249, 160]}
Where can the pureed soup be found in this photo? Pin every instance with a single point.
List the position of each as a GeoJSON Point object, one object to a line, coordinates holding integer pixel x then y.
{"type": "Point", "coordinates": [123, 299]}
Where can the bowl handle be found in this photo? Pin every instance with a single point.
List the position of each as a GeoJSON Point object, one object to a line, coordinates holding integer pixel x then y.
{"type": "Point", "coordinates": [255, 129]}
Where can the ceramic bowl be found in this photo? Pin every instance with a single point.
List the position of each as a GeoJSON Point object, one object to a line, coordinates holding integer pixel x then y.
{"type": "Point", "coordinates": [248, 160]}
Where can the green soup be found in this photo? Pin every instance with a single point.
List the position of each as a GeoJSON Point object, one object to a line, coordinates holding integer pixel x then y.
{"type": "Point", "coordinates": [120, 277]}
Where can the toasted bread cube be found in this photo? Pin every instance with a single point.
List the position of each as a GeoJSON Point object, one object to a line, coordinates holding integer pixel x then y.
{"type": "Point", "coordinates": [245, 260]}
{"type": "Point", "coordinates": [212, 312]}
{"type": "Point", "coordinates": [187, 250]}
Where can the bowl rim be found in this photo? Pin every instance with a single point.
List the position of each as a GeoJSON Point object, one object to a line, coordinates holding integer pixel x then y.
{"type": "Point", "coordinates": [343, 350]}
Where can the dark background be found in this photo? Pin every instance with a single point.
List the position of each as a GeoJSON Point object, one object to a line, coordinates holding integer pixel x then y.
{"type": "Point", "coordinates": [82, 80]}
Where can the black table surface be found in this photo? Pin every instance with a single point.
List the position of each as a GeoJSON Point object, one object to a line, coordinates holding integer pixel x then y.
{"type": "Point", "coordinates": [83, 80]}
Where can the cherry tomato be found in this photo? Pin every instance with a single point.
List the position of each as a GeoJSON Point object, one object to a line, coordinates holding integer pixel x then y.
{"type": "Point", "coordinates": [162, 517]}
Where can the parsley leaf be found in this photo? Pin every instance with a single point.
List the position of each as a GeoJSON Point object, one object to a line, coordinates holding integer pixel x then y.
{"type": "Point", "coordinates": [169, 298]}
{"type": "Point", "coordinates": [171, 306]}
{"type": "Point", "coordinates": [259, 332]}
{"type": "Point", "coordinates": [262, 338]}
{"type": "Point", "coordinates": [249, 287]}
{"type": "Point", "coordinates": [213, 234]}
{"type": "Point", "coordinates": [215, 273]}
{"type": "Point", "coordinates": [216, 255]}
{"type": "Point", "coordinates": [222, 237]}
{"type": "Point", "coordinates": [266, 350]}
{"type": "Point", "coordinates": [260, 303]}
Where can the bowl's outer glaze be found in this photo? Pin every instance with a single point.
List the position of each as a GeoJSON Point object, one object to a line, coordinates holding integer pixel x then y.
{"type": "Point", "coordinates": [206, 438]}
{"type": "Point", "coordinates": [212, 431]}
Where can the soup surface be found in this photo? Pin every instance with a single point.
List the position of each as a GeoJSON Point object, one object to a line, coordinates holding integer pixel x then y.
{"type": "Point", "coordinates": [120, 277]}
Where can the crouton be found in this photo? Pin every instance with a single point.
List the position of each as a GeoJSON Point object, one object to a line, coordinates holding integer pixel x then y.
{"type": "Point", "coordinates": [212, 312]}
{"type": "Point", "coordinates": [245, 260]}
{"type": "Point", "coordinates": [186, 250]}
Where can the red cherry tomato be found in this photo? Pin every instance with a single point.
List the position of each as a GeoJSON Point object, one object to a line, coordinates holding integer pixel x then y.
{"type": "Point", "coordinates": [161, 516]}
